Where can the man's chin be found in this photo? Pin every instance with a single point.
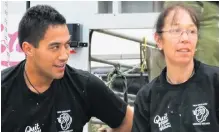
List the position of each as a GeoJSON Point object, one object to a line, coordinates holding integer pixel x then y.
{"type": "Point", "coordinates": [60, 76]}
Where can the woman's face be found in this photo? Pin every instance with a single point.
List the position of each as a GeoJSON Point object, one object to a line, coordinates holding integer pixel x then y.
{"type": "Point", "coordinates": [179, 37]}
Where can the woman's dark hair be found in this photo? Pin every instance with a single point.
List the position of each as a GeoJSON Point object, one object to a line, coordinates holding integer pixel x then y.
{"type": "Point", "coordinates": [161, 18]}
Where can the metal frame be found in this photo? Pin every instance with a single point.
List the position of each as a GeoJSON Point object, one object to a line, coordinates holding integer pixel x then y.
{"type": "Point", "coordinates": [131, 38]}
{"type": "Point", "coordinates": [109, 62]}
{"type": "Point", "coordinates": [130, 97]}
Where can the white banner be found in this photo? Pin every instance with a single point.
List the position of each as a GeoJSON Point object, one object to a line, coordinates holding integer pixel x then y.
{"type": "Point", "coordinates": [9, 37]}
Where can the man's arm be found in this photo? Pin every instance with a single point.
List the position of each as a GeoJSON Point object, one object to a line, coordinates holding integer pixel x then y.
{"type": "Point", "coordinates": [108, 107]}
{"type": "Point", "coordinates": [126, 125]}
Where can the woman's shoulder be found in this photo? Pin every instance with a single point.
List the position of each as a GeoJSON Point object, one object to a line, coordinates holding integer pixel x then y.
{"type": "Point", "coordinates": [147, 88]}
{"type": "Point", "coordinates": [208, 69]}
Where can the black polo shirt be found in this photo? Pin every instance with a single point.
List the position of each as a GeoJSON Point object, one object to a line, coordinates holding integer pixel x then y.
{"type": "Point", "coordinates": [66, 106]}
{"type": "Point", "coordinates": [192, 106]}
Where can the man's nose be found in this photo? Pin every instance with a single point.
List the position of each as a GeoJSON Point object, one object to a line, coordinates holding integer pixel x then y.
{"type": "Point", "coordinates": [64, 54]}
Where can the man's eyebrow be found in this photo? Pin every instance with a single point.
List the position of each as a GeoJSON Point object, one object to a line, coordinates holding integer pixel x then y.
{"type": "Point", "coordinates": [58, 43]}
{"type": "Point", "coordinates": [54, 44]}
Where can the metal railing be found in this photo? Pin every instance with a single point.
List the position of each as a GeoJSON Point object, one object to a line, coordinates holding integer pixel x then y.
{"type": "Point", "coordinates": [131, 38]}
{"type": "Point", "coordinates": [131, 98]}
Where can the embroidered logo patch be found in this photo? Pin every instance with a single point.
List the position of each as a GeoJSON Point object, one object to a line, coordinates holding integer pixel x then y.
{"type": "Point", "coordinates": [163, 122]}
{"type": "Point", "coordinates": [201, 114]}
{"type": "Point", "coordinates": [65, 120]}
{"type": "Point", "coordinates": [35, 128]}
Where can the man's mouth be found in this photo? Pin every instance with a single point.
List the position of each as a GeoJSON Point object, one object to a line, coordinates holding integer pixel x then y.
{"type": "Point", "coordinates": [183, 50]}
{"type": "Point", "coordinates": [60, 66]}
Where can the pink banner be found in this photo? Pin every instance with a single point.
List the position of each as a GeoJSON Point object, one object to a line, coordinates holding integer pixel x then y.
{"type": "Point", "coordinates": [13, 47]}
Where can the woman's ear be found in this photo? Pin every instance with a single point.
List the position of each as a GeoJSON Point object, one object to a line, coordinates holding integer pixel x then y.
{"type": "Point", "coordinates": [27, 48]}
{"type": "Point", "coordinates": [158, 39]}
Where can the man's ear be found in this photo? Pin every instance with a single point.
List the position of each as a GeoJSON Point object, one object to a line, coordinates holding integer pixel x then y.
{"type": "Point", "coordinates": [158, 39]}
{"type": "Point", "coordinates": [27, 48]}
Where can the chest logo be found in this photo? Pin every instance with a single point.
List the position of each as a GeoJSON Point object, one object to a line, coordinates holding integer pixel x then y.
{"type": "Point", "coordinates": [201, 113]}
{"type": "Point", "coordinates": [64, 119]}
{"type": "Point", "coordinates": [35, 128]}
{"type": "Point", "coordinates": [163, 122]}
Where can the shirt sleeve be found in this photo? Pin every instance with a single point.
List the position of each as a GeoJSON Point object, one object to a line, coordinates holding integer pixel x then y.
{"type": "Point", "coordinates": [141, 122]}
{"type": "Point", "coordinates": [104, 104]}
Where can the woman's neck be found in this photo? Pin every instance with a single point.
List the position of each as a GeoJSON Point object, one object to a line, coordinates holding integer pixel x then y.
{"type": "Point", "coordinates": [179, 74]}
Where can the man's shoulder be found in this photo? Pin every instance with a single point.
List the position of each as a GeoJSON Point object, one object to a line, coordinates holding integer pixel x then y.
{"type": "Point", "coordinates": [76, 73]}
{"type": "Point", "coordinates": [79, 74]}
{"type": "Point", "coordinates": [10, 73]}
{"type": "Point", "coordinates": [7, 71]}
{"type": "Point", "coordinates": [78, 77]}
{"type": "Point", "coordinates": [8, 78]}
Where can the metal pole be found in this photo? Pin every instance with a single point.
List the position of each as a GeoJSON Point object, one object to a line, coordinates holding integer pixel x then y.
{"type": "Point", "coordinates": [27, 5]}
{"type": "Point", "coordinates": [109, 62]}
{"type": "Point", "coordinates": [124, 37]}
{"type": "Point", "coordinates": [6, 32]}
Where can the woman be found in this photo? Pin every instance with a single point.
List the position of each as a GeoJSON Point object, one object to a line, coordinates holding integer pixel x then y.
{"type": "Point", "coordinates": [208, 42]}
{"type": "Point", "coordinates": [184, 98]}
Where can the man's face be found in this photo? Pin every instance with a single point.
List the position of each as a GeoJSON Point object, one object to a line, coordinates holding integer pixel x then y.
{"type": "Point", "coordinates": [51, 56]}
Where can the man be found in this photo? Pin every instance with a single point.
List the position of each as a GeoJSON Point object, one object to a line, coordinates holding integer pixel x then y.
{"type": "Point", "coordinates": [43, 93]}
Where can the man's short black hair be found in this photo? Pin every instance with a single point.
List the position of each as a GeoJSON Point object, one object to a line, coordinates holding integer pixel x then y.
{"type": "Point", "coordinates": [35, 23]}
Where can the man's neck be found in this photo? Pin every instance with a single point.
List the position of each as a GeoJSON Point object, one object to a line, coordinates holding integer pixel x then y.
{"type": "Point", "coordinates": [35, 80]}
{"type": "Point", "coordinates": [177, 74]}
